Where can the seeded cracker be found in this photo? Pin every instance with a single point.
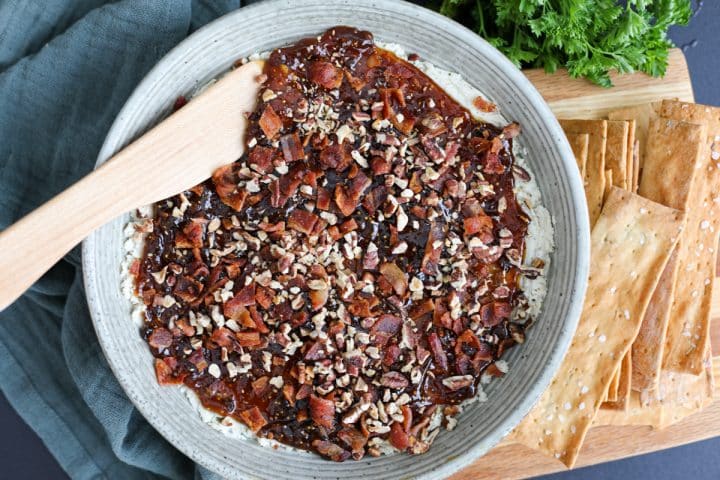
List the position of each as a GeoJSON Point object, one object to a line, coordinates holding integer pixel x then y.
{"type": "Point", "coordinates": [623, 376]}
{"type": "Point", "coordinates": [642, 114]}
{"type": "Point", "coordinates": [631, 243]}
{"type": "Point", "coordinates": [594, 177]}
{"type": "Point", "coordinates": [632, 174]}
{"type": "Point", "coordinates": [675, 150]}
{"type": "Point", "coordinates": [688, 330]}
{"type": "Point", "coordinates": [616, 152]}
{"type": "Point", "coordinates": [579, 144]}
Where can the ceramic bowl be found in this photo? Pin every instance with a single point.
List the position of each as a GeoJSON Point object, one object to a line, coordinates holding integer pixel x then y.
{"type": "Point", "coordinates": [261, 27]}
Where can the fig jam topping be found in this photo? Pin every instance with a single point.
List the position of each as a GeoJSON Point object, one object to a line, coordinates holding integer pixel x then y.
{"type": "Point", "coordinates": [356, 272]}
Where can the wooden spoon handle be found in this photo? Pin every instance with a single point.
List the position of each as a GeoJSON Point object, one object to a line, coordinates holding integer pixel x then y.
{"type": "Point", "coordinates": [181, 151]}
{"type": "Point", "coordinates": [31, 246]}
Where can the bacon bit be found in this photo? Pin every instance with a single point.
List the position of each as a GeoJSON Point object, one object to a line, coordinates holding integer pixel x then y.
{"type": "Point", "coordinates": [375, 197]}
{"type": "Point", "coordinates": [264, 297]}
{"type": "Point", "coordinates": [187, 288]}
{"type": "Point", "coordinates": [379, 166]}
{"type": "Point", "coordinates": [197, 358]}
{"type": "Point", "coordinates": [493, 313]}
{"type": "Point", "coordinates": [225, 182]}
{"type": "Point", "coordinates": [362, 306]}
{"type": "Point", "coordinates": [398, 438]}
{"type": "Point", "coordinates": [322, 411]}
{"type": "Point", "coordinates": [259, 324]}
{"type": "Point", "coordinates": [348, 226]}
{"type": "Point", "coordinates": [432, 253]}
{"type": "Point", "coordinates": [438, 352]}
{"type": "Point", "coordinates": [323, 199]}
{"type": "Point", "coordinates": [270, 122]}
{"type": "Point", "coordinates": [164, 373]}
{"type": "Point", "coordinates": [223, 337]}
{"type": "Point", "coordinates": [493, 165]}
{"type": "Point", "coordinates": [336, 156]}
{"type": "Point", "coordinates": [483, 105]}
{"type": "Point", "coordinates": [331, 450]}
{"type": "Point", "coordinates": [292, 147]}
{"type": "Point", "coordinates": [260, 385]}
{"type": "Point", "coordinates": [480, 225]}
{"type": "Point", "coordinates": [302, 221]}
{"type": "Point", "coordinates": [385, 327]}
{"type": "Point", "coordinates": [261, 158]}
{"type": "Point", "coordinates": [348, 198]}
{"type": "Point", "coordinates": [394, 380]}
{"type": "Point", "coordinates": [419, 310]}
{"type": "Point", "coordinates": [334, 233]}
{"type": "Point", "coordinates": [467, 343]}
{"type": "Point", "coordinates": [248, 339]}
{"type": "Point", "coordinates": [253, 418]}
{"type": "Point", "coordinates": [391, 354]}
{"type": "Point", "coordinates": [160, 338]}
{"type": "Point", "coordinates": [395, 277]}
{"type": "Point", "coordinates": [325, 74]}
{"type": "Point", "coordinates": [354, 439]}
{"type": "Point", "coordinates": [356, 83]}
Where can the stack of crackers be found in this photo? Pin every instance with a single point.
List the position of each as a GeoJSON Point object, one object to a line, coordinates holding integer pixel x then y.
{"type": "Point", "coordinates": [641, 352]}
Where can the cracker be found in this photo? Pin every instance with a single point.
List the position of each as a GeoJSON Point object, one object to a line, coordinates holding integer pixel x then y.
{"type": "Point", "coordinates": [624, 375]}
{"type": "Point", "coordinates": [675, 150]}
{"type": "Point", "coordinates": [630, 166]}
{"type": "Point", "coordinates": [642, 114]}
{"type": "Point", "coordinates": [608, 184]}
{"type": "Point", "coordinates": [611, 395]}
{"type": "Point", "coordinates": [689, 327]}
{"type": "Point", "coordinates": [616, 152]}
{"type": "Point", "coordinates": [630, 243]}
{"type": "Point", "coordinates": [594, 177]}
{"type": "Point", "coordinates": [579, 144]}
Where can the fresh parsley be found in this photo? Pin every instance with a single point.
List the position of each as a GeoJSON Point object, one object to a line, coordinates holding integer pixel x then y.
{"type": "Point", "coordinates": [590, 38]}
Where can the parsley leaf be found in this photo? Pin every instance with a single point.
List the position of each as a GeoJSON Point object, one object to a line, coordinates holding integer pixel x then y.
{"type": "Point", "coordinates": [591, 38]}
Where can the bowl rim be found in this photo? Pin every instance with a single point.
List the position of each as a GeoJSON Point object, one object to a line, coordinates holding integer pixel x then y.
{"type": "Point", "coordinates": [532, 96]}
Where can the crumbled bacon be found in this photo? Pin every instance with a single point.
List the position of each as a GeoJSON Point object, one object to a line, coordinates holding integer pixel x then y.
{"type": "Point", "coordinates": [325, 74]}
{"type": "Point", "coordinates": [292, 147]}
{"type": "Point", "coordinates": [322, 411]}
{"type": "Point", "coordinates": [226, 187]}
{"type": "Point", "coordinates": [270, 122]}
{"type": "Point", "coordinates": [160, 338]}
{"type": "Point", "coordinates": [483, 105]}
{"type": "Point", "coordinates": [253, 418]}
{"type": "Point", "coordinates": [302, 221]}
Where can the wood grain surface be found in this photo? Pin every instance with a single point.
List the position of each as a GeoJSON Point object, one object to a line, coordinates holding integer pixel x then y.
{"type": "Point", "coordinates": [577, 98]}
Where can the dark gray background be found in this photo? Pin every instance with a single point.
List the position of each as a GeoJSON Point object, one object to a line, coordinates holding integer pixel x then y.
{"type": "Point", "coordinates": [23, 455]}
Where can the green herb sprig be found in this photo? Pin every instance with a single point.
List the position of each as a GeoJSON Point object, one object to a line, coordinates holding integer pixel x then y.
{"type": "Point", "coordinates": [590, 38]}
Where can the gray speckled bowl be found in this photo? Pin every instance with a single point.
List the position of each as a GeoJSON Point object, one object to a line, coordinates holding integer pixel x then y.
{"type": "Point", "coordinates": [208, 53]}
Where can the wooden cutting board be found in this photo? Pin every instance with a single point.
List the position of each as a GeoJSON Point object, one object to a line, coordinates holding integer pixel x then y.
{"type": "Point", "coordinates": [576, 98]}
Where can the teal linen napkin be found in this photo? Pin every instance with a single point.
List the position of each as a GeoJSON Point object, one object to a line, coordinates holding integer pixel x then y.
{"type": "Point", "coordinates": [66, 69]}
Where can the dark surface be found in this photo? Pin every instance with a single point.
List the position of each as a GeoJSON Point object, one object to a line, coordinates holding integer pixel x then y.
{"type": "Point", "coordinates": [23, 455]}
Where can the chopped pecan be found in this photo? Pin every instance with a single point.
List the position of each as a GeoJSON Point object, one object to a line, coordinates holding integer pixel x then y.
{"type": "Point", "coordinates": [457, 382]}
{"type": "Point", "coordinates": [394, 380]}
{"type": "Point", "coordinates": [438, 351]}
{"type": "Point", "coordinates": [331, 450]}
{"type": "Point", "coordinates": [226, 187]}
{"type": "Point", "coordinates": [433, 249]}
